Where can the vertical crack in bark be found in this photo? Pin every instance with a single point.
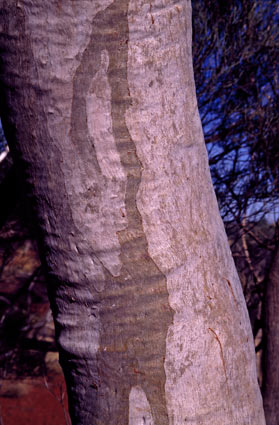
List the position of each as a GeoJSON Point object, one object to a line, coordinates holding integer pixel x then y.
{"type": "Point", "coordinates": [134, 309]}
{"type": "Point", "coordinates": [221, 351]}
{"type": "Point", "coordinates": [231, 289]}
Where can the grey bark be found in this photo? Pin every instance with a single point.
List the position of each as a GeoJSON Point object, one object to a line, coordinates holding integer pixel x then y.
{"type": "Point", "coordinates": [100, 108]}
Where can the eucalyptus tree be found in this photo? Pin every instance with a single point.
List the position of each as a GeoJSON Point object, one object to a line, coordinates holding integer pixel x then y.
{"type": "Point", "coordinates": [100, 111]}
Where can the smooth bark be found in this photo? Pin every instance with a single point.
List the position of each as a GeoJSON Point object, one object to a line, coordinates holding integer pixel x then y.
{"type": "Point", "coordinates": [100, 108]}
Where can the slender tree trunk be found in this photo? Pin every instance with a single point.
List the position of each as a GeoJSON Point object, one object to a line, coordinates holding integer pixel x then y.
{"type": "Point", "coordinates": [271, 344]}
{"type": "Point", "coordinates": [100, 108]}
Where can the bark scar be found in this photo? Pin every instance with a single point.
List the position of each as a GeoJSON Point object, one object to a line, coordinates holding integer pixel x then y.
{"type": "Point", "coordinates": [150, 11]}
{"type": "Point", "coordinates": [231, 289]}
{"type": "Point", "coordinates": [221, 351]}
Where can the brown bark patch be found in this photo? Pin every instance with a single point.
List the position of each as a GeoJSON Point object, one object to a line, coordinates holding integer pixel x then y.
{"type": "Point", "coordinates": [134, 310]}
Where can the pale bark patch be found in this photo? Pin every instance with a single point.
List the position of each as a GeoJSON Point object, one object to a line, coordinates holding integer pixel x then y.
{"type": "Point", "coordinates": [98, 110]}
{"type": "Point", "coordinates": [139, 408]}
{"type": "Point", "coordinates": [83, 328]}
{"type": "Point", "coordinates": [98, 102]}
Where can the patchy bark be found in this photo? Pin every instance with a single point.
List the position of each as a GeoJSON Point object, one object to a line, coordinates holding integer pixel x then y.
{"type": "Point", "coordinates": [100, 108]}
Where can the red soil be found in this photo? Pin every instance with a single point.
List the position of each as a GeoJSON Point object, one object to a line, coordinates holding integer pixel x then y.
{"type": "Point", "coordinates": [35, 402]}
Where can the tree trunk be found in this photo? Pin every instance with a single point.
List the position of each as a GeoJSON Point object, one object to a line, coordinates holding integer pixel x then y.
{"type": "Point", "coordinates": [271, 344]}
{"type": "Point", "coordinates": [100, 108]}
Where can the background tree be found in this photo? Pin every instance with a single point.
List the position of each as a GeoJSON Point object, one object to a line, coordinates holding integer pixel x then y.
{"type": "Point", "coordinates": [149, 312]}
{"type": "Point", "coordinates": [236, 47]}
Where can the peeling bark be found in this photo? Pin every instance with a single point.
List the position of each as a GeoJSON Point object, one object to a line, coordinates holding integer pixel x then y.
{"type": "Point", "coordinates": [101, 113]}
